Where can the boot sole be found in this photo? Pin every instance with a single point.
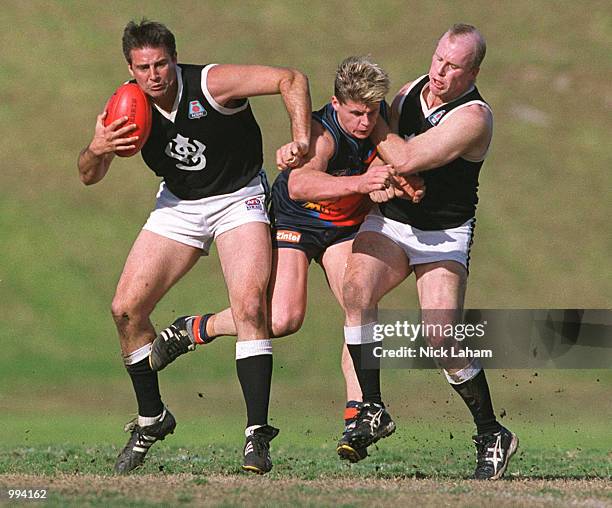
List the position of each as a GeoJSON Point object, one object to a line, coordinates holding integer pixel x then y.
{"type": "Point", "coordinates": [253, 469]}
{"type": "Point", "coordinates": [346, 452]}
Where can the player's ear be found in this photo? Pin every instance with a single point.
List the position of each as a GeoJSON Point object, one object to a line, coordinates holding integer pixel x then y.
{"type": "Point", "coordinates": [335, 102]}
{"type": "Point", "coordinates": [130, 70]}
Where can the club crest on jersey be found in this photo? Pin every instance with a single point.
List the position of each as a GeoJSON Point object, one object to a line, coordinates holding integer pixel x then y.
{"type": "Point", "coordinates": [435, 118]}
{"type": "Point", "coordinates": [253, 204]}
{"type": "Point", "coordinates": [189, 152]}
{"type": "Point", "coordinates": [283, 235]}
{"type": "Point", "coordinates": [196, 110]}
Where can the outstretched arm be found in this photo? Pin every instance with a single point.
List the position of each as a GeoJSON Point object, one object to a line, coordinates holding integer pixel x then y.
{"type": "Point", "coordinates": [311, 182]}
{"type": "Point", "coordinates": [95, 159]}
{"type": "Point", "coordinates": [228, 82]}
{"type": "Point", "coordinates": [466, 133]}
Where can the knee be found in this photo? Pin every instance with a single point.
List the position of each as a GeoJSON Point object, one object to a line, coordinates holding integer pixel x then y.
{"type": "Point", "coordinates": [357, 296]}
{"type": "Point", "coordinates": [250, 309]}
{"type": "Point", "coordinates": [125, 310]}
{"type": "Point", "coordinates": [286, 324]}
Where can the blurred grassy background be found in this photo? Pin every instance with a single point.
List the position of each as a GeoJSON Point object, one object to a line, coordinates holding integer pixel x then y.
{"type": "Point", "coordinates": [543, 237]}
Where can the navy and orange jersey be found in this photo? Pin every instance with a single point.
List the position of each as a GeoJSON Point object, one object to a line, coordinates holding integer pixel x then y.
{"type": "Point", "coordinates": [351, 157]}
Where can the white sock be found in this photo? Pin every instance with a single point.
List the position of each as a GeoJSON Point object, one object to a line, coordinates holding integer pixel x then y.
{"type": "Point", "coordinates": [145, 421]}
{"type": "Point", "coordinates": [248, 348]}
{"type": "Point", "coordinates": [357, 335]}
{"type": "Point", "coordinates": [138, 355]}
{"type": "Point", "coordinates": [249, 430]}
{"type": "Point", "coordinates": [465, 374]}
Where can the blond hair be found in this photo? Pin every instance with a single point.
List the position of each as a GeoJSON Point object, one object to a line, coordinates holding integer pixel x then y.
{"type": "Point", "coordinates": [359, 79]}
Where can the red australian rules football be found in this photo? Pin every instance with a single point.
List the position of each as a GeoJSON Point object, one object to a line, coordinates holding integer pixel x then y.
{"type": "Point", "coordinates": [129, 100]}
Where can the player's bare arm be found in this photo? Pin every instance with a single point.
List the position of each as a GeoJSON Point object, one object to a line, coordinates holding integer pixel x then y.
{"type": "Point", "coordinates": [467, 133]}
{"type": "Point", "coordinates": [228, 83]}
{"type": "Point", "coordinates": [311, 182]}
{"type": "Point", "coordinates": [95, 159]}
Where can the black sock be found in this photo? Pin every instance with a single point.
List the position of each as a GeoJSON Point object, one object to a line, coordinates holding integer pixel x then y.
{"type": "Point", "coordinates": [255, 375]}
{"type": "Point", "coordinates": [146, 388]}
{"type": "Point", "coordinates": [369, 378]}
{"type": "Point", "coordinates": [475, 393]}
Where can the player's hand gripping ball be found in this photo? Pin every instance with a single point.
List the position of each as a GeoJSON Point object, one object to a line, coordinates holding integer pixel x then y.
{"type": "Point", "coordinates": [129, 100]}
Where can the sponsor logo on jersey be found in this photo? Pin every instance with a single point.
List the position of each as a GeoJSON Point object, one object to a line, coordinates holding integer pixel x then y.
{"type": "Point", "coordinates": [253, 204]}
{"type": "Point", "coordinates": [196, 110]}
{"type": "Point", "coordinates": [321, 207]}
{"type": "Point", "coordinates": [435, 118]}
{"type": "Point", "coordinates": [190, 153]}
{"type": "Point", "coordinates": [282, 235]}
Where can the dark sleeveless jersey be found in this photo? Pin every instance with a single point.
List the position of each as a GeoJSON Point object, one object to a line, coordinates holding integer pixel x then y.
{"type": "Point", "coordinates": [452, 189]}
{"type": "Point", "coordinates": [203, 152]}
{"type": "Point", "coordinates": [351, 157]}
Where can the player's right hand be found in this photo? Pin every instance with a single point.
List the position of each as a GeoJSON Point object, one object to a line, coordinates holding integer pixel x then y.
{"type": "Point", "coordinates": [411, 187]}
{"type": "Point", "coordinates": [111, 138]}
{"type": "Point", "coordinates": [291, 155]}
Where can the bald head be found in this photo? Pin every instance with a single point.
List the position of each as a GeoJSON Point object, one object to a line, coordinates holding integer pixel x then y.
{"type": "Point", "coordinates": [470, 32]}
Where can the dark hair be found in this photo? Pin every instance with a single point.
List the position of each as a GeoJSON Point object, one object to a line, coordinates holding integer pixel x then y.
{"type": "Point", "coordinates": [147, 34]}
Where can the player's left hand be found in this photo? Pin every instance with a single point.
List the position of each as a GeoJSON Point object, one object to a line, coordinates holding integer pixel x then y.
{"type": "Point", "coordinates": [387, 194]}
{"type": "Point", "coordinates": [410, 187]}
{"type": "Point", "coordinates": [291, 155]}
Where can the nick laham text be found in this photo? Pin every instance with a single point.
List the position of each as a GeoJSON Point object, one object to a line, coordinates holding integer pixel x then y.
{"type": "Point", "coordinates": [430, 352]}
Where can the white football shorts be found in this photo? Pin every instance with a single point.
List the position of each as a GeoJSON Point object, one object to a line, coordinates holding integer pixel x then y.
{"type": "Point", "coordinates": [424, 246]}
{"type": "Point", "coordinates": [198, 222]}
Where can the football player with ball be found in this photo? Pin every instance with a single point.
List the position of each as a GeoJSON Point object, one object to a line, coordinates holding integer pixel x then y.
{"type": "Point", "coordinates": [205, 144]}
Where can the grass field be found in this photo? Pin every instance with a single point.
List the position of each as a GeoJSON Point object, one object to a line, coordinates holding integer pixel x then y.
{"type": "Point", "coordinates": [542, 241]}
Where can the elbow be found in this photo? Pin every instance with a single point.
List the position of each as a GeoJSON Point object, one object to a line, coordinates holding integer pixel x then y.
{"type": "Point", "coordinates": [88, 179]}
{"type": "Point", "coordinates": [294, 193]}
{"type": "Point", "coordinates": [294, 79]}
{"type": "Point", "coordinates": [294, 188]}
{"type": "Point", "coordinates": [299, 77]}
